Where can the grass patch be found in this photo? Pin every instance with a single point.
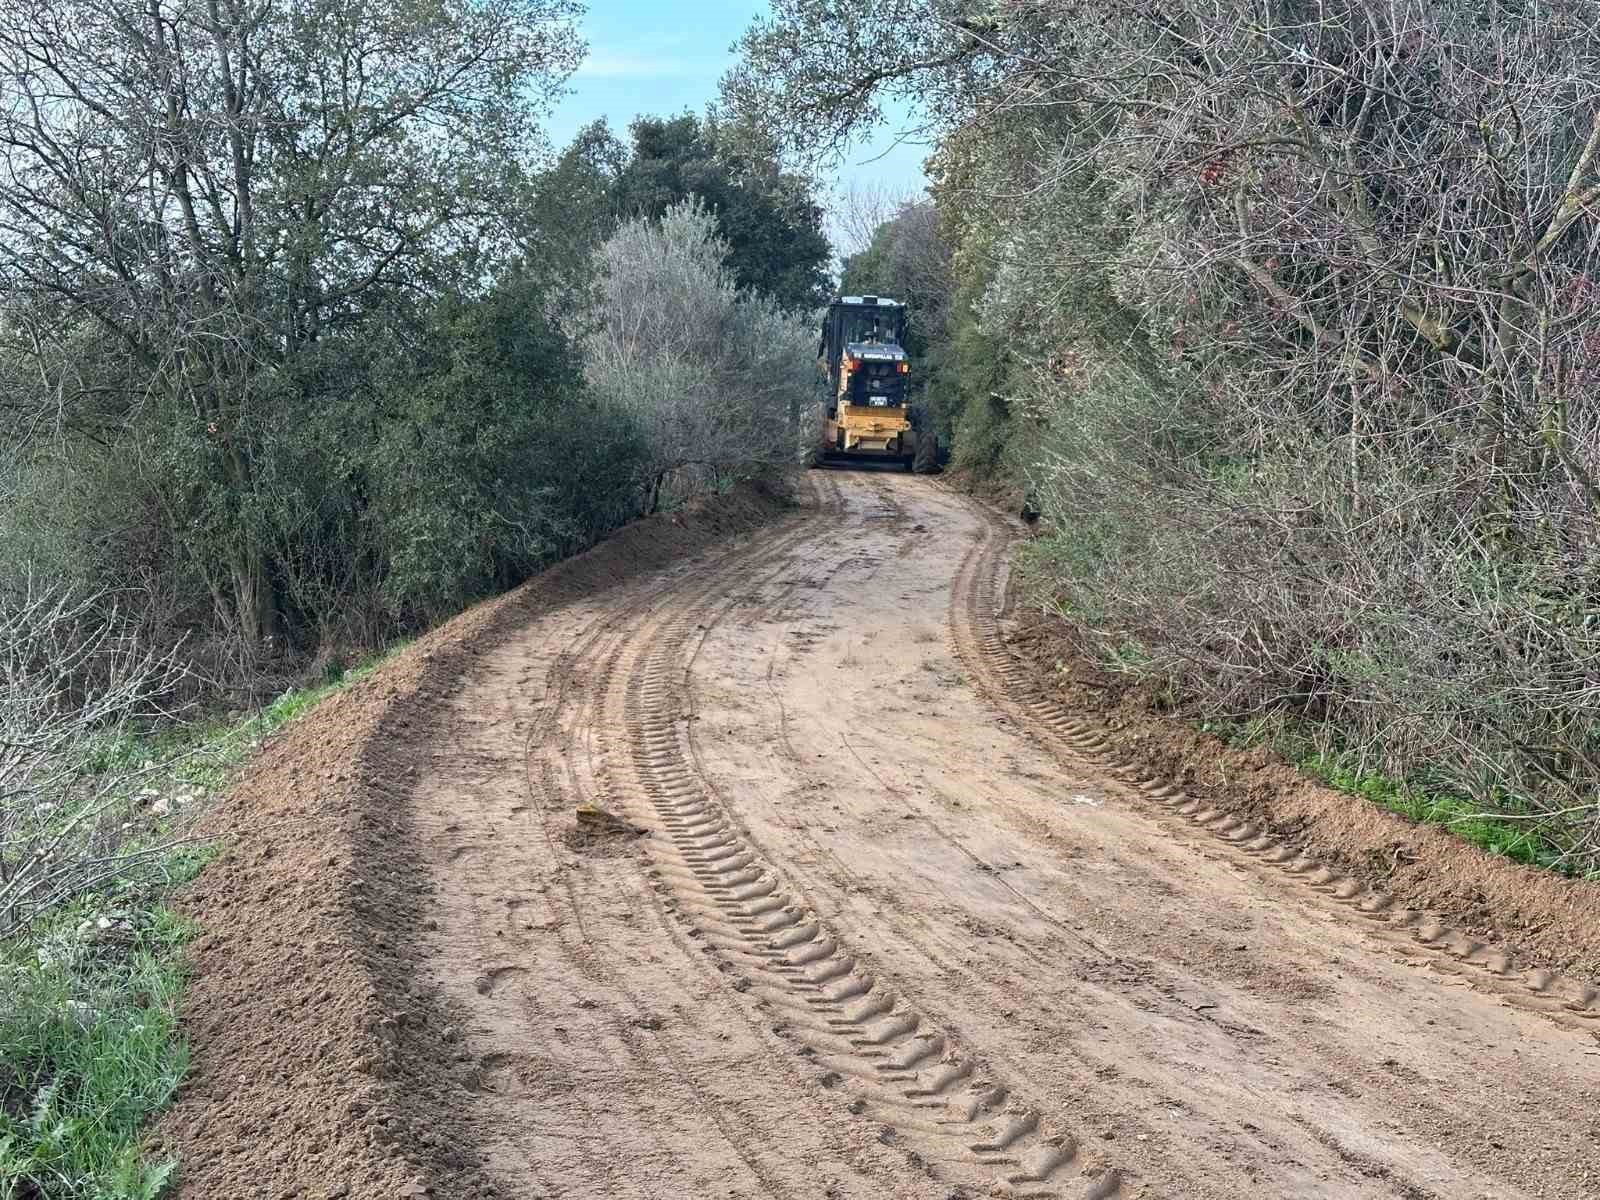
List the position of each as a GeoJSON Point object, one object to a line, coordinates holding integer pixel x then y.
{"type": "Point", "coordinates": [90, 1047]}
{"type": "Point", "coordinates": [1521, 841]}
{"type": "Point", "coordinates": [1513, 832]}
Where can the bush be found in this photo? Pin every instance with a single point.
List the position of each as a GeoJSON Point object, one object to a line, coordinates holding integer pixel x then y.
{"type": "Point", "coordinates": [71, 678]}
{"type": "Point", "coordinates": [716, 377]}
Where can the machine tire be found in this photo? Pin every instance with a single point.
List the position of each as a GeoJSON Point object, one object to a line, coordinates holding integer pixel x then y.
{"type": "Point", "coordinates": [926, 460]}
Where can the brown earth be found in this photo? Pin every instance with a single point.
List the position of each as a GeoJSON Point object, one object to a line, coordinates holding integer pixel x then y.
{"type": "Point", "coordinates": [909, 916]}
{"type": "Point", "coordinates": [1547, 921]}
{"type": "Point", "coordinates": [323, 1062]}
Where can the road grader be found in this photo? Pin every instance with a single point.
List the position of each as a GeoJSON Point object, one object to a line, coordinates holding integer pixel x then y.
{"type": "Point", "coordinates": [866, 417]}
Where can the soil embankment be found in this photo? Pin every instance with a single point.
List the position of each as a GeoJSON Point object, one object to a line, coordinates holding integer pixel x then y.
{"type": "Point", "coordinates": [323, 1063]}
{"type": "Point", "coordinates": [1543, 920]}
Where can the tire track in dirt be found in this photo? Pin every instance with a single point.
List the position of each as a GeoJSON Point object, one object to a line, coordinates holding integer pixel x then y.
{"type": "Point", "coordinates": [921, 1085]}
{"type": "Point", "coordinates": [925, 932]}
{"type": "Point", "coordinates": [500, 1069]}
{"type": "Point", "coordinates": [935, 934]}
{"type": "Point", "coordinates": [595, 726]}
{"type": "Point", "coordinates": [640, 1032]}
{"type": "Point", "coordinates": [920, 934]}
{"type": "Point", "coordinates": [975, 606]}
{"type": "Point", "coordinates": [566, 914]}
{"type": "Point", "coordinates": [620, 1037]}
{"type": "Point", "coordinates": [574, 694]}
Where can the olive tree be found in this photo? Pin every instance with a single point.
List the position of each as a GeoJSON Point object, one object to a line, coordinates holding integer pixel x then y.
{"type": "Point", "coordinates": [716, 376]}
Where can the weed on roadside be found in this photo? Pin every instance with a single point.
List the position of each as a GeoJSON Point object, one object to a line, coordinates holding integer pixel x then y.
{"type": "Point", "coordinates": [1499, 832]}
{"type": "Point", "coordinates": [90, 1045]}
{"type": "Point", "coordinates": [1503, 827]}
{"type": "Point", "coordinates": [90, 1050]}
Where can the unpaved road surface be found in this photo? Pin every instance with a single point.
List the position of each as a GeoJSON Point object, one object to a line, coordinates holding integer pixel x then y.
{"type": "Point", "coordinates": [887, 914]}
{"type": "Point", "coordinates": [893, 930]}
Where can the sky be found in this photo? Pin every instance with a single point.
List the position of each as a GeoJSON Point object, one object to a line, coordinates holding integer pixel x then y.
{"type": "Point", "coordinates": [662, 57]}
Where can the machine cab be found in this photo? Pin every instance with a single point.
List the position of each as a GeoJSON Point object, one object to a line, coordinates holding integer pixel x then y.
{"type": "Point", "coordinates": [862, 352]}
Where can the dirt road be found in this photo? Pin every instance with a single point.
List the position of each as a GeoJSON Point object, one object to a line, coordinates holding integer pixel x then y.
{"type": "Point", "coordinates": [893, 930]}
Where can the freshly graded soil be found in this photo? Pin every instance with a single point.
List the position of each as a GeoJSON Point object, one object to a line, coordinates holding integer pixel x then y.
{"type": "Point", "coordinates": [324, 1063]}
{"type": "Point", "coordinates": [1551, 921]}
{"type": "Point", "coordinates": [758, 853]}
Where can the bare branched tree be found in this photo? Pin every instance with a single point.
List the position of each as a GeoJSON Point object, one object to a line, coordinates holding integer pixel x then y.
{"type": "Point", "coordinates": [861, 210]}
{"type": "Point", "coordinates": [71, 679]}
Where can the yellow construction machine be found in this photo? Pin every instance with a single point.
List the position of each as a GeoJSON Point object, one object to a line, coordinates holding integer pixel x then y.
{"type": "Point", "coordinates": [865, 417]}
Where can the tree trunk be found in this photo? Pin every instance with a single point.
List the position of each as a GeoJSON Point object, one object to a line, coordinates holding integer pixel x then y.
{"type": "Point", "coordinates": [254, 600]}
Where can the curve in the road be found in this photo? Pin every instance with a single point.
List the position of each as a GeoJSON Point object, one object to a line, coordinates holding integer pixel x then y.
{"type": "Point", "coordinates": [1006, 682]}
{"type": "Point", "coordinates": [911, 1077]}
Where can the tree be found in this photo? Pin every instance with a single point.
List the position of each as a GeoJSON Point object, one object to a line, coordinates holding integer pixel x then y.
{"type": "Point", "coordinates": [768, 216]}
{"type": "Point", "coordinates": [813, 73]}
{"type": "Point", "coordinates": [716, 376]}
{"type": "Point", "coordinates": [571, 210]}
{"type": "Point", "coordinates": [214, 186]}
{"type": "Point", "coordinates": [1297, 306]}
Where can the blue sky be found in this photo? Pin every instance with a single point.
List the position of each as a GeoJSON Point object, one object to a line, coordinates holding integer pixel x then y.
{"type": "Point", "coordinates": [666, 56]}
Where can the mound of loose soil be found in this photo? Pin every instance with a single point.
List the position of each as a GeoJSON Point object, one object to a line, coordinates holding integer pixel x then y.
{"type": "Point", "coordinates": [321, 1067]}
{"type": "Point", "coordinates": [1545, 919]}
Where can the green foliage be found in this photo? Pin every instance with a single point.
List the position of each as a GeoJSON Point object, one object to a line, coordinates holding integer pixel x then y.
{"type": "Point", "coordinates": [571, 211]}
{"type": "Point", "coordinates": [908, 258]}
{"type": "Point", "coordinates": [1487, 826]}
{"type": "Point", "coordinates": [1077, 551]}
{"type": "Point", "coordinates": [983, 433]}
{"type": "Point", "coordinates": [486, 460]}
{"type": "Point", "coordinates": [866, 272]}
{"type": "Point", "coordinates": [393, 479]}
{"type": "Point", "coordinates": [432, 447]}
{"type": "Point", "coordinates": [768, 216]}
{"type": "Point", "coordinates": [968, 388]}
{"type": "Point", "coordinates": [89, 1050]}
{"type": "Point", "coordinates": [1503, 825]}
{"type": "Point", "coordinates": [715, 375]}
{"type": "Point", "coordinates": [347, 210]}
{"type": "Point", "coordinates": [86, 516]}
